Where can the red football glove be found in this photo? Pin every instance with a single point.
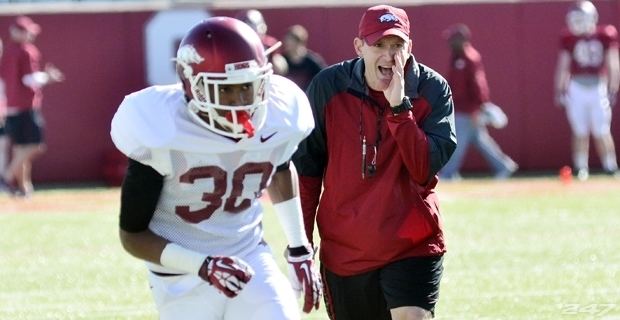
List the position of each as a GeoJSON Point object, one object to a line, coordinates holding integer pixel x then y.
{"type": "Point", "coordinates": [304, 277]}
{"type": "Point", "coordinates": [227, 274]}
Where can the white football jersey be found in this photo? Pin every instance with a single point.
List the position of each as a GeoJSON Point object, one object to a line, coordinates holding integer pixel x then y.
{"type": "Point", "coordinates": [209, 201]}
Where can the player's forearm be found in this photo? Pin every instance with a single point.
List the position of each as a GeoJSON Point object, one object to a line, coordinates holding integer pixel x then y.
{"type": "Point", "coordinates": [562, 73]}
{"type": "Point", "coordinates": [560, 81]}
{"type": "Point", "coordinates": [284, 193]}
{"type": "Point", "coordinates": [291, 219]}
{"type": "Point", "coordinates": [143, 245]}
{"type": "Point", "coordinates": [283, 185]}
{"type": "Point", "coordinates": [613, 71]}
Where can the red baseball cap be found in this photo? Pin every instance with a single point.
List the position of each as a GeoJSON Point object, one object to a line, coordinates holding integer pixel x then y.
{"type": "Point", "coordinates": [383, 20]}
{"type": "Point", "coordinates": [458, 29]}
{"type": "Point", "coordinates": [25, 23]}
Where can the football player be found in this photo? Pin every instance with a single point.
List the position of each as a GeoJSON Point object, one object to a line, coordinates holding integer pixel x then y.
{"type": "Point", "coordinates": [254, 18]}
{"type": "Point", "coordinates": [24, 79]}
{"type": "Point", "coordinates": [586, 84]}
{"type": "Point", "coordinates": [201, 153]}
{"type": "Point", "coordinates": [4, 140]}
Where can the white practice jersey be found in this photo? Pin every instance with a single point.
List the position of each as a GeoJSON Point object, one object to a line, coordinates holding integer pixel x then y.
{"type": "Point", "coordinates": [209, 201]}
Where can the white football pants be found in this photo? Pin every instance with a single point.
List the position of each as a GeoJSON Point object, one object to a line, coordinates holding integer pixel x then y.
{"type": "Point", "coordinates": [588, 110]}
{"type": "Point", "coordinates": [268, 295]}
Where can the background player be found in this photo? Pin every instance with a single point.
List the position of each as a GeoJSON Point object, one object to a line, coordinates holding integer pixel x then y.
{"type": "Point", "coordinates": [586, 84]}
{"type": "Point", "coordinates": [303, 63]}
{"type": "Point", "coordinates": [472, 100]}
{"type": "Point", "coordinates": [24, 78]}
{"type": "Point", "coordinates": [255, 19]}
{"type": "Point", "coordinates": [201, 154]}
{"type": "Point", "coordinates": [4, 140]}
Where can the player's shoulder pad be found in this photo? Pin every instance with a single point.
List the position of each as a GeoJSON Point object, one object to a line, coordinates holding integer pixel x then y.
{"type": "Point", "coordinates": [610, 32]}
{"type": "Point", "coordinates": [565, 33]}
{"type": "Point", "coordinates": [145, 119]}
{"type": "Point", "coordinates": [472, 54]}
{"type": "Point", "coordinates": [566, 37]}
{"type": "Point", "coordinates": [289, 104]}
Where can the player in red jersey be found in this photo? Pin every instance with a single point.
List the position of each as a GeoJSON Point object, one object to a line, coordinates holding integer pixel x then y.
{"type": "Point", "coordinates": [586, 84]}
{"type": "Point", "coordinates": [255, 19]}
{"type": "Point", "coordinates": [473, 106]}
{"type": "Point", "coordinates": [24, 78]}
{"type": "Point", "coordinates": [4, 140]}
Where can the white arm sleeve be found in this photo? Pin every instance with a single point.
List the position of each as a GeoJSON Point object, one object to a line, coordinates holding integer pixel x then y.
{"type": "Point", "coordinates": [36, 79]}
{"type": "Point", "coordinates": [290, 216]}
{"type": "Point", "coordinates": [179, 258]}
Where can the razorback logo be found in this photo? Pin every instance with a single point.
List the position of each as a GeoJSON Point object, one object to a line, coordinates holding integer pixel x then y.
{"type": "Point", "coordinates": [388, 17]}
{"type": "Point", "coordinates": [188, 54]}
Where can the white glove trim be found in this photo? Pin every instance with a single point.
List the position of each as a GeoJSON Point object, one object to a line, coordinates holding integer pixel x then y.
{"type": "Point", "coordinates": [36, 79]}
{"type": "Point", "coordinates": [290, 216]}
{"type": "Point", "coordinates": [176, 257]}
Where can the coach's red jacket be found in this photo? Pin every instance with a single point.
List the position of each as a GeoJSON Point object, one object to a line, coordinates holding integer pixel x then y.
{"type": "Point", "coordinates": [367, 223]}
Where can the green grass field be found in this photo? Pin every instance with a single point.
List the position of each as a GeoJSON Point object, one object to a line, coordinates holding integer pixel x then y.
{"type": "Point", "coordinates": [528, 248]}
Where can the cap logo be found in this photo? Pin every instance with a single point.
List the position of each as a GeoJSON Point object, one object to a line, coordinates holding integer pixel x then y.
{"type": "Point", "coordinates": [388, 17]}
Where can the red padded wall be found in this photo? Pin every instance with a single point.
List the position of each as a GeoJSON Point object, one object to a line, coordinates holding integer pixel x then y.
{"type": "Point", "coordinates": [103, 57]}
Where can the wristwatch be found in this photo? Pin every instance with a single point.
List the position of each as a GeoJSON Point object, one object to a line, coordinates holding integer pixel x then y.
{"type": "Point", "coordinates": [405, 105]}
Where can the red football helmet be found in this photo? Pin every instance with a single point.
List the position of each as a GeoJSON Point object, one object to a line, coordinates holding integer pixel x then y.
{"type": "Point", "coordinates": [224, 51]}
{"type": "Point", "coordinates": [582, 18]}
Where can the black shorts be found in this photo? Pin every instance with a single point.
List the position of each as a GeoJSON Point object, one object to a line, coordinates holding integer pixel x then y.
{"type": "Point", "coordinates": [371, 295]}
{"type": "Point", "coordinates": [25, 127]}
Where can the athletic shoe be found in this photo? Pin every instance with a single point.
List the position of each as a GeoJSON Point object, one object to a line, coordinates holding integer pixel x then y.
{"type": "Point", "coordinates": [8, 188]}
{"type": "Point", "coordinates": [613, 173]}
{"type": "Point", "coordinates": [507, 172]}
{"type": "Point", "coordinates": [583, 174]}
{"type": "Point", "coordinates": [22, 195]}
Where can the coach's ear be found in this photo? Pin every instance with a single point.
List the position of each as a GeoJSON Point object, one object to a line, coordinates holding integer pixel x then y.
{"type": "Point", "coordinates": [358, 43]}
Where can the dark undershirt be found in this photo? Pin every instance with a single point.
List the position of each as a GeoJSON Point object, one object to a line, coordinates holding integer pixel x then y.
{"type": "Point", "coordinates": [139, 195]}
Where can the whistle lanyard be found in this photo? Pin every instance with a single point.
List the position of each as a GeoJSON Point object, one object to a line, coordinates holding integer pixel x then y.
{"type": "Point", "coordinates": [369, 169]}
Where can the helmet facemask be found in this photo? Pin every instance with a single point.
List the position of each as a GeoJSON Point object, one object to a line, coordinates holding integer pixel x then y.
{"type": "Point", "coordinates": [236, 121]}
